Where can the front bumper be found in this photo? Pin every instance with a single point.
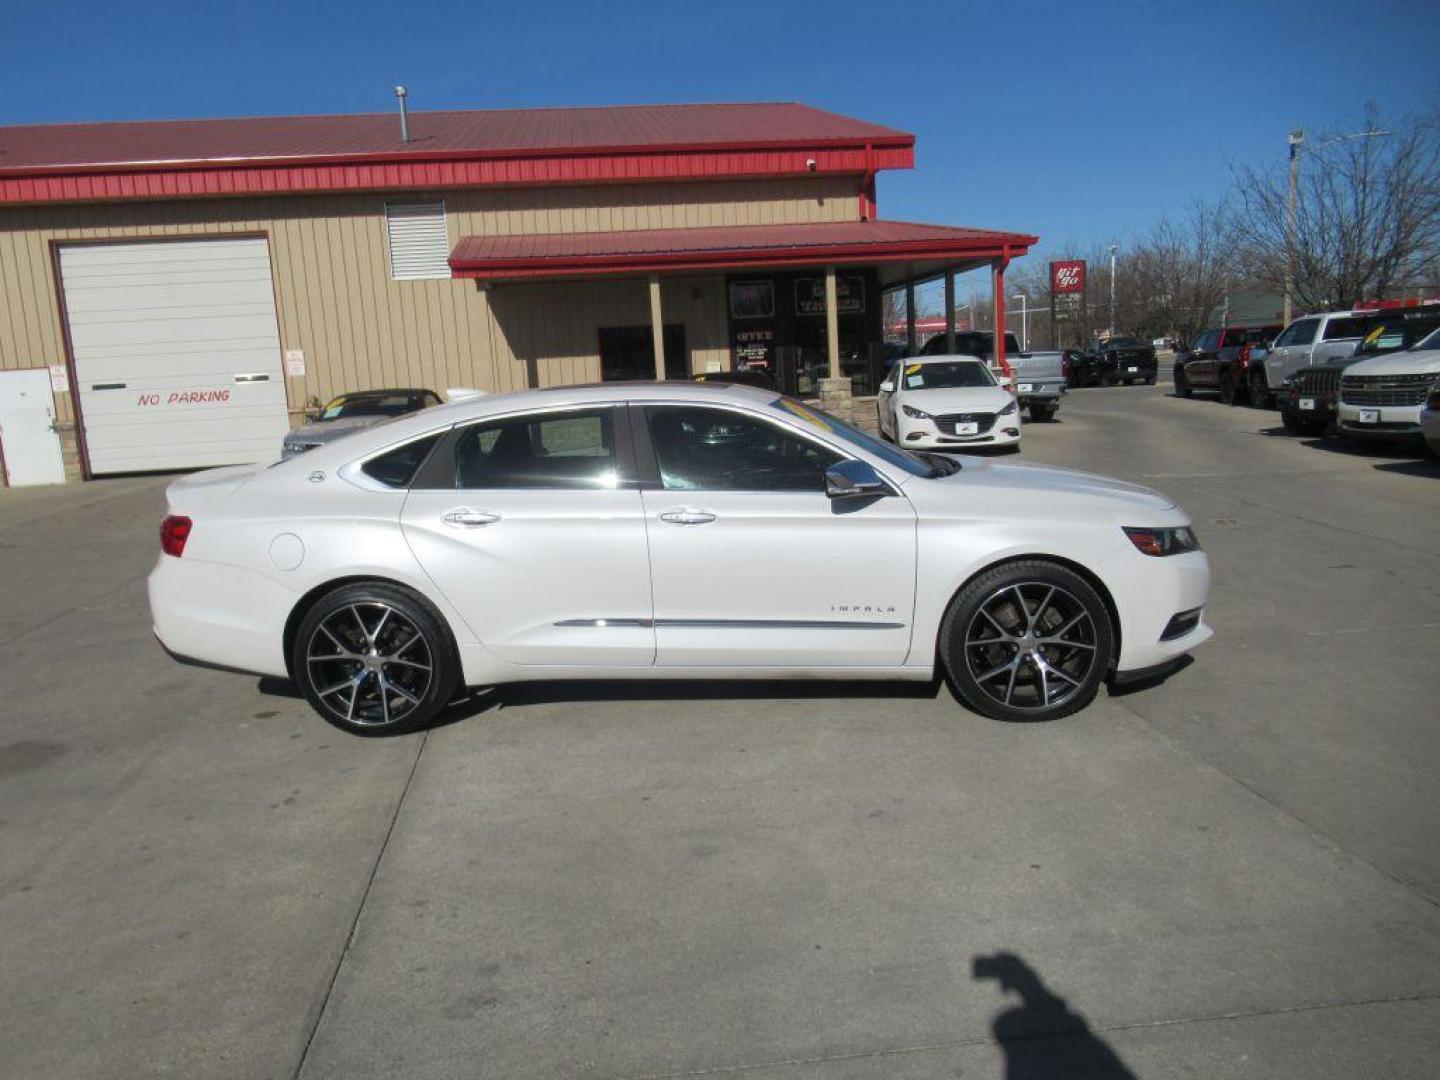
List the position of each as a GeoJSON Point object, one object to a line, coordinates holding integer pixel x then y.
{"type": "Point", "coordinates": [1392, 421]}
{"type": "Point", "coordinates": [925, 435]}
{"type": "Point", "coordinates": [1149, 592]}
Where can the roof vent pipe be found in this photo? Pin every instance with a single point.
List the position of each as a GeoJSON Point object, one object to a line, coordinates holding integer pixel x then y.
{"type": "Point", "coordinates": [404, 116]}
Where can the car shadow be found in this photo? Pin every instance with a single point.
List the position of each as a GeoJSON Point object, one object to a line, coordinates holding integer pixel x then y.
{"type": "Point", "coordinates": [1410, 457]}
{"type": "Point", "coordinates": [477, 701]}
{"type": "Point", "coordinates": [1149, 682]}
{"type": "Point", "coordinates": [1042, 1037]}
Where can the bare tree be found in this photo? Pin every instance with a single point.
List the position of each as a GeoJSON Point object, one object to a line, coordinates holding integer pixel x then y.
{"type": "Point", "coordinates": [1169, 281]}
{"type": "Point", "coordinates": [1367, 214]}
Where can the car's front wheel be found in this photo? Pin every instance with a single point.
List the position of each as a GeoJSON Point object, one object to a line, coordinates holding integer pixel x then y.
{"type": "Point", "coordinates": [374, 659]}
{"type": "Point", "coordinates": [1182, 384]}
{"type": "Point", "coordinates": [1029, 640]}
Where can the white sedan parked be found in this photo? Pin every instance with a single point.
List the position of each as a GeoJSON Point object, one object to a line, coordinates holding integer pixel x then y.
{"type": "Point", "coordinates": [668, 530]}
{"type": "Point", "coordinates": [947, 403]}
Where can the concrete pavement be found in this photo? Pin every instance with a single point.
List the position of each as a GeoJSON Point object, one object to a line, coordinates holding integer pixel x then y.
{"type": "Point", "coordinates": [1233, 873]}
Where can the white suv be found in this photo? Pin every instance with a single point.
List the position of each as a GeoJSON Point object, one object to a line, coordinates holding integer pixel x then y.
{"type": "Point", "coordinates": [1314, 339]}
{"type": "Point", "coordinates": [1384, 396]}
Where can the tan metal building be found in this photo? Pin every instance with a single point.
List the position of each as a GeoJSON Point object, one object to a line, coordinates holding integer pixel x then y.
{"type": "Point", "coordinates": [189, 288]}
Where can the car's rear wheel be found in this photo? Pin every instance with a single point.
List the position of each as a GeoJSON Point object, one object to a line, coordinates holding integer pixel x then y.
{"type": "Point", "coordinates": [1028, 640]}
{"type": "Point", "coordinates": [1260, 396]}
{"type": "Point", "coordinates": [1042, 411]}
{"type": "Point", "coordinates": [1227, 388]}
{"type": "Point", "coordinates": [374, 659]}
{"type": "Point", "coordinates": [1182, 384]}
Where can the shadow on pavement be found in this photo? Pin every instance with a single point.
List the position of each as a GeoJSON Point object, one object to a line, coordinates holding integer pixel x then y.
{"type": "Point", "coordinates": [1042, 1037]}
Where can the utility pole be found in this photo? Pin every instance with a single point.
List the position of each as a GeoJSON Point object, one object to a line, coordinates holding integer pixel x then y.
{"type": "Point", "coordinates": [1296, 139]}
{"type": "Point", "coordinates": [1113, 248]}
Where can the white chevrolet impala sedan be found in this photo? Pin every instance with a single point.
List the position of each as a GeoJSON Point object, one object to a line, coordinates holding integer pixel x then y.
{"type": "Point", "coordinates": [668, 530]}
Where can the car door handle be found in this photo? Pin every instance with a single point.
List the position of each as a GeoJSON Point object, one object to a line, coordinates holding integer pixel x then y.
{"type": "Point", "coordinates": [464, 517]}
{"type": "Point", "coordinates": [687, 515]}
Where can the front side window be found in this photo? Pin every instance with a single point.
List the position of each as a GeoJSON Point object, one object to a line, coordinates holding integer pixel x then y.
{"type": "Point", "coordinates": [549, 451]}
{"type": "Point", "coordinates": [862, 440]}
{"type": "Point", "coordinates": [1303, 332]}
{"type": "Point", "coordinates": [700, 449]}
{"type": "Point", "coordinates": [957, 374]}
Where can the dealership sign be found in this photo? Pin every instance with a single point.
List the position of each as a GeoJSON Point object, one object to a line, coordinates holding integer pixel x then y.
{"type": "Point", "coordinates": [1067, 288]}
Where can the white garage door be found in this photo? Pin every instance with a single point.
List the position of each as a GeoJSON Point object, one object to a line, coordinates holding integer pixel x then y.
{"type": "Point", "coordinates": [177, 353]}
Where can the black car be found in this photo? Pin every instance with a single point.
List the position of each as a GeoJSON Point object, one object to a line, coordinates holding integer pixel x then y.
{"type": "Point", "coordinates": [1081, 368]}
{"type": "Point", "coordinates": [1308, 401]}
{"type": "Point", "coordinates": [1123, 360]}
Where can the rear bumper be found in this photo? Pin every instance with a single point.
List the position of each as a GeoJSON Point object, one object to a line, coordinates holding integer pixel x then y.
{"type": "Point", "coordinates": [221, 616]}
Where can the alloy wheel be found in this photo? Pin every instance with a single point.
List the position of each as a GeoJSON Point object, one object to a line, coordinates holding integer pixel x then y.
{"type": "Point", "coordinates": [1031, 646]}
{"type": "Point", "coordinates": [369, 664]}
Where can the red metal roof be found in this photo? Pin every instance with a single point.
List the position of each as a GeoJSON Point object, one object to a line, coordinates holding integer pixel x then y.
{"type": "Point", "coordinates": [151, 159]}
{"type": "Point", "coordinates": [729, 247]}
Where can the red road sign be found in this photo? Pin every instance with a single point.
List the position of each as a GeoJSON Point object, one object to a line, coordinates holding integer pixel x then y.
{"type": "Point", "coordinates": [1067, 276]}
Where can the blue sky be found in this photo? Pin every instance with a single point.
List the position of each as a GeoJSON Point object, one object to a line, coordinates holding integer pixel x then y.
{"type": "Point", "coordinates": [1082, 122]}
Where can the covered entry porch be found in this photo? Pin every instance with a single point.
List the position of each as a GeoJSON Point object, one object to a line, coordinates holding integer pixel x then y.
{"type": "Point", "coordinates": [799, 303]}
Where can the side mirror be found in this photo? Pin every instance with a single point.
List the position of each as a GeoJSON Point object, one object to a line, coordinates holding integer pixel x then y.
{"type": "Point", "coordinates": [887, 387]}
{"type": "Point", "coordinates": [853, 479]}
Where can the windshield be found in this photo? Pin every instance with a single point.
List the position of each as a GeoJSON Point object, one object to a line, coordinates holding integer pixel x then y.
{"type": "Point", "coordinates": [947, 375]}
{"type": "Point", "coordinates": [1432, 341]}
{"type": "Point", "coordinates": [893, 455]}
{"type": "Point", "coordinates": [349, 405]}
{"type": "Point", "coordinates": [1122, 343]}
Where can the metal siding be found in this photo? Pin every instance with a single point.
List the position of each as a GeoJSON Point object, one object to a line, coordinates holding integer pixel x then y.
{"type": "Point", "coordinates": [358, 328]}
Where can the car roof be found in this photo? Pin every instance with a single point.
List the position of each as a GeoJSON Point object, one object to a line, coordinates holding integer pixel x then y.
{"type": "Point", "coordinates": [385, 392]}
{"type": "Point", "coordinates": [936, 357]}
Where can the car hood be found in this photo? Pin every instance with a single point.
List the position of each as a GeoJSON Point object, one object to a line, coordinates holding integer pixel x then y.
{"type": "Point", "coordinates": [969, 399]}
{"type": "Point", "coordinates": [1405, 362]}
{"type": "Point", "coordinates": [1046, 492]}
{"type": "Point", "coordinates": [325, 430]}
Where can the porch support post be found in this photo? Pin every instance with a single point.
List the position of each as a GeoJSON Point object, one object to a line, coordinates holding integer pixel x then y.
{"type": "Point", "coordinates": [832, 326]}
{"type": "Point", "coordinates": [950, 311]}
{"type": "Point", "coordinates": [910, 318]}
{"type": "Point", "coordinates": [657, 328]}
{"type": "Point", "coordinates": [998, 300]}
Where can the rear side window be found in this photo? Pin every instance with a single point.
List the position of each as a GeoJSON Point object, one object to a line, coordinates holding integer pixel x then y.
{"type": "Point", "coordinates": [568, 451]}
{"type": "Point", "coordinates": [1342, 328]}
{"type": "Point", "coordinates": [1208, 339]}
{"type": "Point", "coordinates": [396, 468]}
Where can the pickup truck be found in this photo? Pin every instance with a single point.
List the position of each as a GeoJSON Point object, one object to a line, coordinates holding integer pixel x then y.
{"type": "Point", "coordinates": [1321, 338]}
{"type": "Point", "coordinates": [1123, 360]}
{"type": "Point", "coordinates": [1039, 380]}
{"type": "Point", "coordinates": [1218, 361]}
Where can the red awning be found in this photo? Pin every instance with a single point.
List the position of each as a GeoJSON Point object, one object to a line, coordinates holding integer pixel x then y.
{"type": "Point", "coordinates": [560, 255]}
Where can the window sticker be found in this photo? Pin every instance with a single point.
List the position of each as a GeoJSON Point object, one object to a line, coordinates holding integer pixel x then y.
{"type": "Point", "coordinates": [913, 369]}
{"type": "Point", "coordinates": [796, 409]}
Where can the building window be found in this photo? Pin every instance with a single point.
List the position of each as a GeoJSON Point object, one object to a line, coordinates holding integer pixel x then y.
{"type": "Point", "coordinates": [419, 245]}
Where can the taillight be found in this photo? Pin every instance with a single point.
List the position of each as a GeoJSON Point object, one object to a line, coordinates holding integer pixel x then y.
{"type": "Point", "coordinates": [174, 531]}
{"type": "Point", "coordinates": [1244, 357]}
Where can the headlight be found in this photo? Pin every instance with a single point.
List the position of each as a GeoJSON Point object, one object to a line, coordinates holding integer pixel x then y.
{"type": "Point", "coordinates": [1159, 542]}
{"type": "Point", "coordinates": [914, 413]}
{"type": "Point", "coordinates": [1008, 409]}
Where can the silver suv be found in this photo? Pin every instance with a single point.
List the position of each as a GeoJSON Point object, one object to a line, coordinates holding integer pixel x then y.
{"type": "Point", "coordinates": [1314, 339]}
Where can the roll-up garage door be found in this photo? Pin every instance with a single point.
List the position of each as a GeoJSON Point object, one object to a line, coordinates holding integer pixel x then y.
{"type": "Point", "coordinates": [177, 353]}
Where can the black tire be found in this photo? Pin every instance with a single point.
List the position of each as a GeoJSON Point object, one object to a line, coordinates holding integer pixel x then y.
{"type": "Point", "coordinates": [979, 657]}
{"type": "Point", "coordinates": [1227, 388]}
{"type": "Point", "coordinates": [1042, 411]}
{"type": "Point", "coordinates": [1182, 384]}
{"type": "Point", "coordinates": [1299, 425]}
{"type": "Point", "coordinates": [341, 644]}
{"type": "Point", "coordinates": [1260, 396]}
{"type": "Point", "coordinates": [1150, 380]}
